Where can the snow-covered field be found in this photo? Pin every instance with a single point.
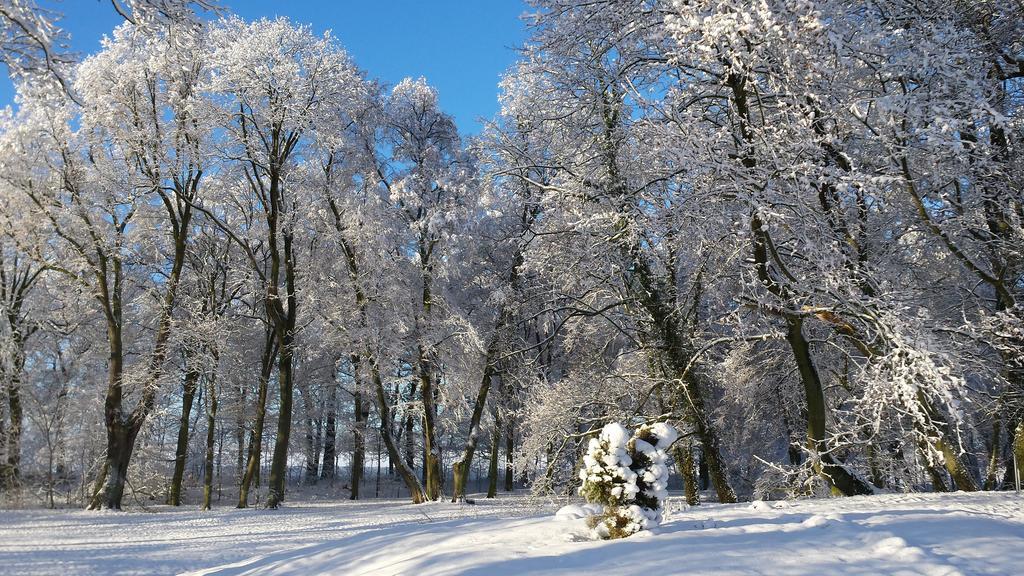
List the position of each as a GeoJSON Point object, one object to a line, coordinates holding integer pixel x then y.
{"type": "Point", "coordinates": [890, 534]}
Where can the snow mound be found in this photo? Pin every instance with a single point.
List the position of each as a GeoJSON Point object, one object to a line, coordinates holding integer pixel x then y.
{"type": "Point", "coordinates": [577, 512]}
{"type": "Point", "coordinates": [815, 521]}
{"type": "Point", "coordinates": [898, 549]}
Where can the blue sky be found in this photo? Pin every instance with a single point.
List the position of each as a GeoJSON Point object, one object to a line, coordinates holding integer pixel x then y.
{"type": "Point", "coordinates": [460, 46]}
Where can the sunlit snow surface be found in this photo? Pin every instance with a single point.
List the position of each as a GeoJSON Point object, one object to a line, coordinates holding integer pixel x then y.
{"type": "Point", "coordinates": [889, 534]}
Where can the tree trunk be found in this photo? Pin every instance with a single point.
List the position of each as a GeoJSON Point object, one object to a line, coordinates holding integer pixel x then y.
{"type": "Point", "coordinates": [492, 468]}
{"type": "Point", "coordinates": [510, 443]}
{"type": "Point", "coordinates": [835, 474]}
{"type": "Point", "coordinates": [1015, 435]}
{"type": "Point", "coordinates": [312, 434]}
{"type": "Point", "coordinates": [684, 461]}
{"type": "Point", "coordinates": [211, 425]}
{"type": "Point", "coordinates": [120, 443]}
{"type": "Point", "coordinates": [279, 462]}
{"type": "Point", "coordinates": [703, 478]}
{"type": "Point", "coordinates": [876, 475]}
{"type": "Point", "coordinates": [708, 435]}
{"type": "Point", "coordinates": [282, 310]}
{"type": "Point", "coordinates": [460, 469]}
{"type": "Point", "coordinates": [15, 285]}
{"type": "Point", "coordinates": [123, 428]}
{"type": "Point", "coordinates": [3, 445]}
{"type": "Point", "coordinates": [376, 488]}
{"type": "Point", "coordinates": [187, 398]}
{"type": "Point", "coordinates": [120, 436]}
{"type": "Point", "coordinates": [384, 410]}
{"type": "Point", "coordinates": [240, 434]}
{"type": "Point", "coordinates": [678, 356]}
{"type": "Point", "coordinates": [832, 471]}
{"type": "Point", "coordinates": [954, 464]}
{"type": "Point", "coordinates": [410, 441]}
{"type": "Point", "coordinates": [327, 472]}
{"type": "Point", "coordinates": [431, 462]}
{"type": "Point", "coordinates": [938, 478]}
{"type": "Point", "coordinates": [383, 407]}
{"type": "Point", "coordinates": [358, 443]}
{"type": "Point", "coordinates": [12, 472]}
{"type": "Point", "coordinates": [991, 477]}
{"type": "Point", "coordinates": [256, 437]}
{"type": "Point", "coordinates": [423, 458]}
{"type": "Point", "coordinates": [792, 448]}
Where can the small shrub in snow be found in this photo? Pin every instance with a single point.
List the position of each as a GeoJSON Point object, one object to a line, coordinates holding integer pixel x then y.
{"type": "Point", "coordinates": [628, 477]}
{"type": "Point", "coordinates": [780, 481]}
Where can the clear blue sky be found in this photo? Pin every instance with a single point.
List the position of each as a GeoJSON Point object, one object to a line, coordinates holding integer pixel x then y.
{"type": "Point", "coordinates": [460, 46]}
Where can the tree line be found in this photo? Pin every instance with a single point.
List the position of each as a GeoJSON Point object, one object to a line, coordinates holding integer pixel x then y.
{"type": "Point", "coordinates": [790, 228]}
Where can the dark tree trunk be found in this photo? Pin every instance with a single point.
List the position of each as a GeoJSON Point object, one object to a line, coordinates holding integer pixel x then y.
{"type": "Point", "coordinates": [654, 295]}
{"type": "Point", "coordinates": [211, 426]}
{"type": "Point", "coordinates": [877, 476]}
{"type": "Point", "coordinates": [708, 435]}
{"type": "Point", "coordinates": [4, 483]}
{"type": "Point", "coordinates": [181, 451]}
{"type": "Point", "coordinates": [376, 488]}
{"type": "Point", "coordinates": [833, 472]}
{"type": "Point", "coordinates": [431, 456]}
{"type": "Point", "coordinates": [492, 468]}
{"type": "Point", "coordinates": [410, 440]}
{"type": "Point", "coordinates": [938, 438]}
{"type": "Point", "coordinates": [240, 434]}
{"type": "Point", "coordinates": [252, 467]}
{"type": "Point", "coordinates": [792, 448]}
{"type": "Point", "coordinates": [678, 356]}
{"type": "Point", "coordinates": [358, 443]}
{"type": "Point", "coordinates": [312, 440]}
{"type": "Point", "coordinates": [424, 471]}
{"type": "Point", "coordinates": [329, 468]}
{"type": "Point", "coordinates": [936, 475]}
{"type": "Point", "coordinates": [510, 443]}
{"type": "Point", "coordinates": [120, 433]}
{"type": "Point", "coordinates": [426, 369]}
{"type": "Point", "coordinates": [1016, 449]}
{"type": "Point", "coordinates": [120, 443]}
{"type": "Point", "coordinates": [11, 474]}
{"type": "Point", "coordinates": [123, 427]}
{"type": "Point", "coordinates": [15, 284]}
{"type": "Point", "coordinates": [684, 460]}
{"type": "Point", "coordinates": [991, 479]}
{"type": "Point", "coordinates": [279, 461]}
{"type": "Point", "coordinates": [704, 479]}
{"type": "Point", "coordinates": [384, 409]}
{"type": "Point", "coordinates": [461, 468]}
{"type": "Point", "coordinates": [281, 304]}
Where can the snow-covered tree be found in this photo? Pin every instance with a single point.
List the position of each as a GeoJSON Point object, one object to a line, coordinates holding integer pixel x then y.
{"type": "Point", "coordinates": [628, 476]}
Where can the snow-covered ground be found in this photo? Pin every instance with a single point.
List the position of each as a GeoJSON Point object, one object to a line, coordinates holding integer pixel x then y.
{"type": "Point", "coordinates": [935, 534]}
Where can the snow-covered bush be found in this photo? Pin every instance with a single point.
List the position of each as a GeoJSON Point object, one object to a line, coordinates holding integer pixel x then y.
{"type": "Point", "coordinates": [628, 477]}
{"type": "Point", "coordinates": [785, 482]}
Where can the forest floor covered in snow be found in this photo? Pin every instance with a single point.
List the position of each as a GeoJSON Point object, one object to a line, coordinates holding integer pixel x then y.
{"type": "Point", "coordinates": [934, 534]}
